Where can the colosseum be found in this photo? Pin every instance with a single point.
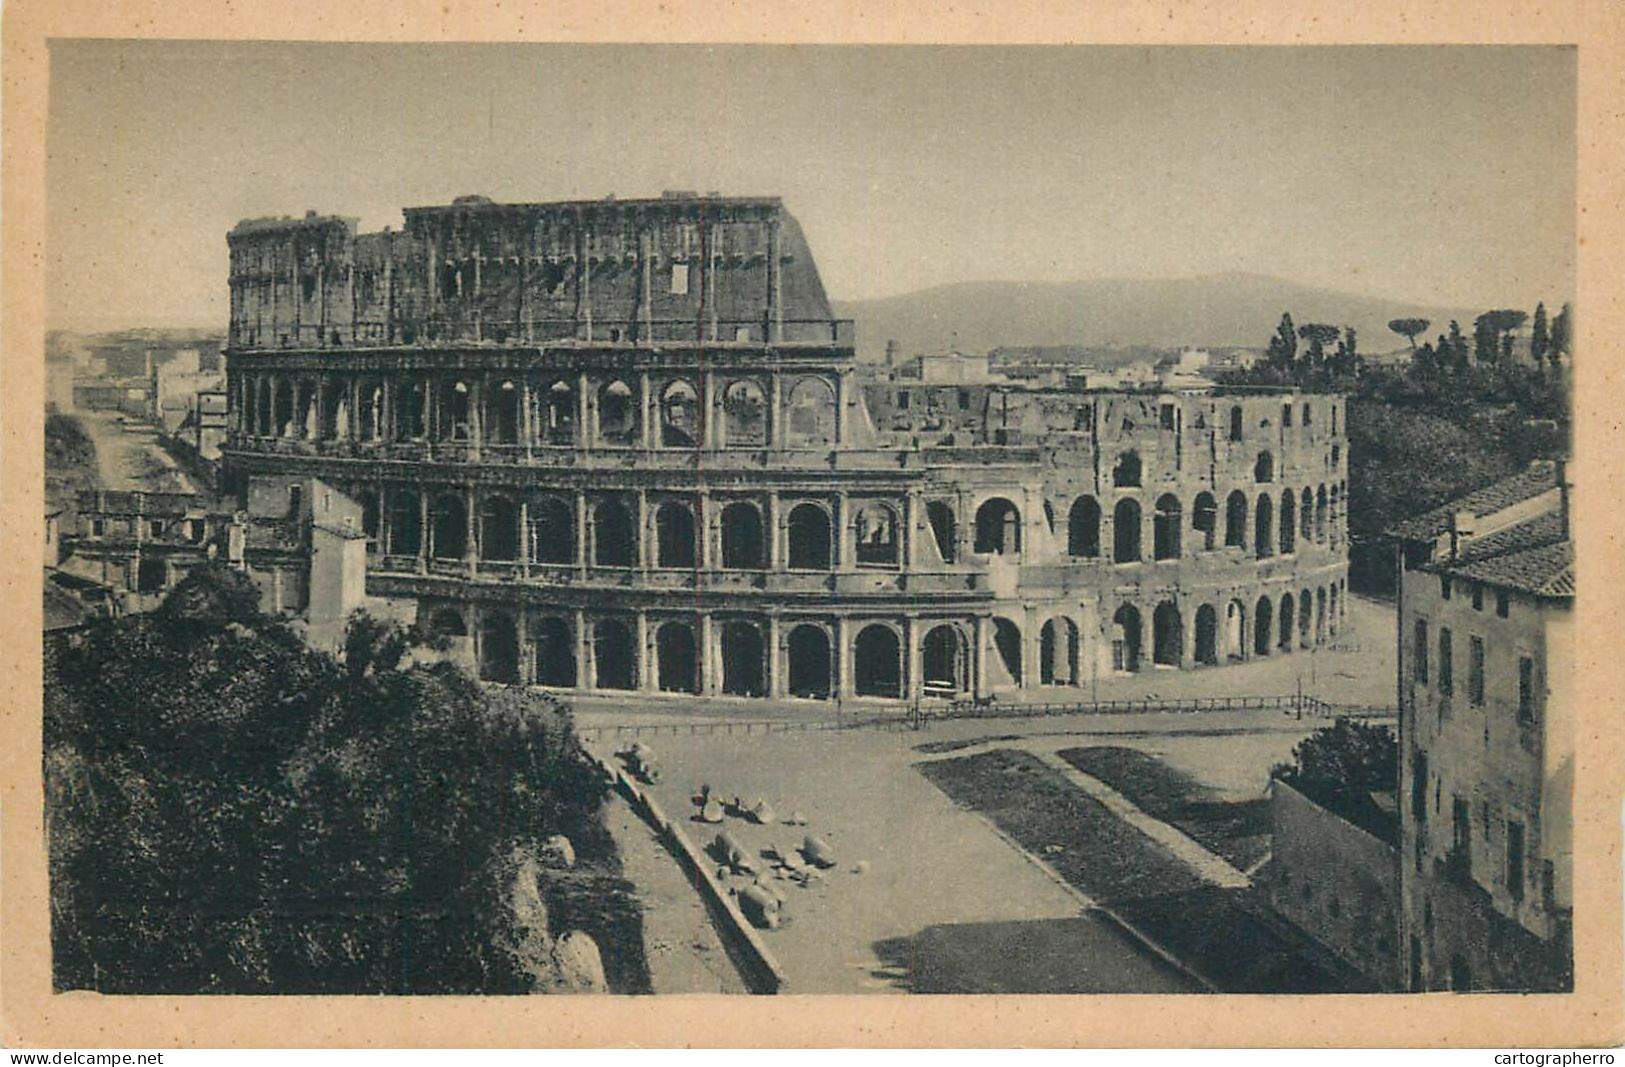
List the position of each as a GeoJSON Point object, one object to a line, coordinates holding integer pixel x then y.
{"type": "Point", "coordinates": [623, 445]}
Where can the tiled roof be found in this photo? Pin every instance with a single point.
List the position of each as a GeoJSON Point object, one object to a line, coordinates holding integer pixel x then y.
{"type": "Point", "coordinates": [1534, 556]}
{"type": "Point", "coordinates": [1537, 479]}
{"type": "Point", "coordinates": [63, 610]}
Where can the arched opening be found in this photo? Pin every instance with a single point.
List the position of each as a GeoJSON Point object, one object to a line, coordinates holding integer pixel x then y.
{"type": "Point", "coordinates": [502, 414]}
{"type": "Point", "coordinates": [1205, 520]}
{"type": "Point", "coordinates": [552, 531]}
{"type": "Point", "coordinates": [1126, 639]}
{"type": "Point", "coordinates": [1306, 515]}
{"type": "Point", "coordinates": [1126, 531]}
{"type": "Point", "coordinates": [411, 407]}
{"type": "Point", "coordinates": [559, 415]}
{"type": "Point", "coordinates": [1083, 528]}
{"type": "Point", "coordinates": [287, 423]}
{"type": "Point", "coordinates": [743, 546]}
{"type": "Point", "coordinates": [674, 535]}
{"type": "Point", "coordinates": [499, 648]}
{"type": "Point", "coordinates": [807, 531]}
{"type": "Point", "coordinates": [876, 530]}
{"type": "Point", "coordinates": [1306, 607]}
{"type": "Point", "coordinates": [613, 542]}
{"type": "Point", "coordinates": [1058, 652]}
{"type": "Point", "coordinates": [1235, 423]}
{"type": "Point", "coordinates": [1320, 515]}
{"type": "Point", "coordinates": [447, 622]}
{"type": "Point", "coordinates": [499, 530]}
{"type": "Point", "coordinates": [677, 658]}
{"type": "Point", "coordinates": [1334, 514]}
{"type": "Point", "coordinates": [309, 418]}
{"type": "Point", "coordinates": [617, 414]}
{"type": "Point", "coordinates": [679, 416]}
{"type": "Point", "coordinates": [1007, 643]}
{"type": "Point", "coordinates": [809, 667]}
{"type": "Point", "coordinates": [1235, 630]}
{"type": "Point", "coordinates": [405, 523]}
{"type": "Point", "coordinates": [810, 414]}
{"type": "Point", "coordinates": [1126, 473]}
{"type": "Point", "coordinates": [1235, 519]}
{"type": "Point", "coordinates": [1207, 635]}
{"type": "Point", "coordinates": [1264, 527]}
{"type": "Point", "coordinates": [1264, 468]}
{"type": "Point", "coordinates": [1289, 524]}
{"type": "Point", "coordinates": [1167, 525]}
{"type": "Point", "coordinates": [151, 574]}
{"type": "Point", "coordinates": [1287, 634]}
{"type": "Point", "coordinates": [267, 424]}
{"type": "Point", "coordinates": [453, 418]}
{"type": "Point", "coordinates": [335, 413]}
{"type": "Point", "coordinates": [1167, 635]}
{"type": "Point", "coordinates": [1320, 615]}
{"type": "Point", "coordinates": [877, 662]}
{"type": "Point", "coordinates": [555, 653]}
{"type": "Point", "coordinates": [1331, 610]}
{"type": "Point", "coordinates": [943, 662]}
{"type": "Point", "coordinates": [1263, 623]}
{"type": "Point", "coordinates": [369, 516]}
{"type": "Point", "coordinates": [744, 660]}
{"type": "Point", "coordinates": [944, 530]}
{"type": "Point", "coordinates": [614, 665]}
{"type": "Point", "coordinates": [448, 527]}
{"type": "Point", "coordinates": [998, 528]}
{"type": "Point", "coordinates": [744, 415]}
{"type": "Point", "coordinates": [369, 411]}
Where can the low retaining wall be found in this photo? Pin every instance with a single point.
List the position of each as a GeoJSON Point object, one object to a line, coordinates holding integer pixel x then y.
{"type": "Point", "coordinates": [760, 971]}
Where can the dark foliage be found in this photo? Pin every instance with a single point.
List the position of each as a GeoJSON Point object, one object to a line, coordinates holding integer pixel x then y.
{"type": "Point", "coordinates": [229, 811]}
{"type": "Point", "coordinates": [70, 460]}
{"type": "Point", "coordinates": [1340, 766]}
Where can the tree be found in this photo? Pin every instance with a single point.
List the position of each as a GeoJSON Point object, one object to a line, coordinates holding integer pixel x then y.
{"type": "Point", "coordinates": [1458, 348]}
{"type": "Point", "coordinates": [1539, 337]}
{"type": "Point", "coordinates": [1562, 335]}
{"type": "Point", "coordinates": [1492, 333]}
{"type": "Point", "coordinates": [1319, 335]}
{"type": "Point", "coordinates": [1283, 347]}
{"type": "Point", "coordinates": [1340, 766]}
{"type": "Point", "coordinates": [1347, 359]}
{"type": "Point", "coordinates": [1409, 329]}
{"type": "Point", "coordinates": [211, 596]}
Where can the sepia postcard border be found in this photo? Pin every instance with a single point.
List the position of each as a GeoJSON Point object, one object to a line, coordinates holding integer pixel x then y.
{"type": "Point", "coordinates": [31, 1015]}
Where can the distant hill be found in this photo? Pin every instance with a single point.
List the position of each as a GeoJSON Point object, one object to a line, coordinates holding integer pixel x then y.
{"type": "Point", "coordinates": [1218, 310]}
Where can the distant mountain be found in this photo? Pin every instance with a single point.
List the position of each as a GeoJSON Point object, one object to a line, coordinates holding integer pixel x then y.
{"type": "Point", "coordinates": [1218, 310]}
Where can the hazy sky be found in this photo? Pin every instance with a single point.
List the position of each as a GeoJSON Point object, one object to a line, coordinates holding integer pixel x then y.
{"type": "Point", "coordinates": [1439, 175]}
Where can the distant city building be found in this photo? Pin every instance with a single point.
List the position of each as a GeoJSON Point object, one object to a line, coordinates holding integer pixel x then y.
{"type": "Point", "coordinates": [1487, 738]}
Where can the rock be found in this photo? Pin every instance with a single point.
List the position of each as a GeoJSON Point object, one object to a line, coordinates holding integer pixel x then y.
{"type": "Point", "coordinates": [796, 819]}
{"type": "Point", "coordinates": [523, 932]}
{"type": "Point", "coordinates": [760, 906]}
{"type": "Point", "coordinates": [861, 867]}
{"type": "Point", "coordinates": [761, 813]}
{"type": "Point", "coordinates": [558, 852]}
{"type": "Point", "coordinates": [578, 966]}
{"type": "Point", "coordinates": [711, 811]}
{"type": "Point", "coordinates": [817, 851]}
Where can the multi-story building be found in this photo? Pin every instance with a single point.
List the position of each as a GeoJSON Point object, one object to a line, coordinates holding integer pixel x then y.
{"type": "Point", "coordinates": [1486, 739]}
{"type": "Point", "coordinates": [624, 445]}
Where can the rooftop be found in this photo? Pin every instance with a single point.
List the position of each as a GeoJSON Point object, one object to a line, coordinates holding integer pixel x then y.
{"type": "Point", "coordinates": [1540, 477]}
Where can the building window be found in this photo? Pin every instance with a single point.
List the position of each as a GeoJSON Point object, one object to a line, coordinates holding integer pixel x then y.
{"type": "Point", "coordinates": [1235, 423]}
{"type": "Point", "coordinates": [679, 279]}
{"type": "Point", "coordinates": [155, 528]}
{"type": "Point", "coordinates": [1515, 859]}
{"type": "Point", "coordinates": [1447, 671]}
{"type": "Point", "coordinates": [1421, 656]}
{"type": "Point", "coordinates": [902, 401]}
{"type": "Point", "coordinates": [1526, 689]}
{"type": "Point", "coordinates": [1286, 414]}
{"type": "Point", "coordinates": [97, 528]}
{"type": "Point", "coordinates": [1444, 587]}
{"type": "Point", "coordinates": [1478, 597]}
{"type": "Point", "coordinates": [1167, 416]}
{"type": "Point", "coordinates": [1503, 603]}
{"type": "Point", "coordinates": [1307, 414]}
{"type": "Point", "coordinates": [1475, 671]}
{"type": "Point", "coordinates": [964, 400]}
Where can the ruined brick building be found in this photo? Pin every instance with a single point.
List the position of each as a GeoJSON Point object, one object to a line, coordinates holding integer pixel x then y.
{"type": "Point", "coordinates": [624, 445]}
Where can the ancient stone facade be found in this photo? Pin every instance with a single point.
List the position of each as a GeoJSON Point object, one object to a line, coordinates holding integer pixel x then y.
{"type": "Point", "coordinates": [623, 445]}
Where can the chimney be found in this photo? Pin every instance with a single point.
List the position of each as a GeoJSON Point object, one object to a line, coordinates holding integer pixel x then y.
{"type": "Point", "coordinates": [1462, 526]}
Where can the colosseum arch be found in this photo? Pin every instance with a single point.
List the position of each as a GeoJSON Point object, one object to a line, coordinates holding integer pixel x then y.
{"type": "Point", "coordinates": [744, 415]}
{"type": "Point", "coordinates": [613, 655]}
{"type": "Point", "coordinates": [1331, 610]}
{"type": "Point", "coordinates": [944, 529]}
{"type": "Point", "coordinates": [1235, 519]}
{"type": "Point", "coordinates": [1167, 635]}
{"type": "Point", "coordinates": [411, 410]}
{"type": "Point", "coordinates": [1126, 472]}
{"type": "Point", "coordinates": [448, 622]}
{"type": "Point", "coordinates": [1306, 607]}
{"type": "Point", "coordinates": [1263, 625]}
{"type": "Point", "coordinates": [998, 528]}
{"type": "Point", "coordinates": [1264, 526]}
{"type": "Point", "coordinates": [1289, 523]}
{"type": "Point", "coordinates": [1320, 615]}
{"type": "Point", "coordinates": [677, 658]}
{"type": "Point", "coordinates": [1320, 515]}
{"type": "Point", "coordinates": [1058, 652]}
{"type": "Point", "coordinates": [744, 545]}
{"type": "Point", "coordinates": [1306, 515]}
{"type": "Point", "coordinates": [1207, 636]}
{"type": "Point", "coordinates": [876, 534]}
{"type": "Point", "coordinates": [1007, 643]}
{"type": "Point", "coordinates": [1083, 528]}
{"type": "Point", "coordinates": [744, 659]}
{"type": "Point", "coordinates": [1287, 630]}
{"type": "Point", "coordinates": [555, 652]}
{"type": "Point", "coordinates": [1205, 521]}
{"type": "Point", "coordinates": [1126, 531]}
{"type": "Point", "coordinates": [558, 414]}
{"type": "Point", "coordinates": [809, 667]}
{"type": "Point", "coordinates": [811, 414]}
{"type": "Point", "coordinates": [675, 535]}
{"type": "Point", "coordinates": [499, 647]}
{"type": "Point", "coordinates": [405, 536]}
{"type": "Point", "coordinates": [1167, 527]}
{"type": "Point", "coordinates": [614, 541]}
{"type": "Point", "coordinates": [1237, 422]}
{"type": "Point", "coordinates": [944, 663]}
{"type": "Point", "coordinates": [807, 531]}
{"type": "Point", "coordinates": [499, 529]}
{"type": "Point", "coordinates": [1264, 468]}
{"type": "Point", "coordinates": [877, 662]}
{"type": "Point", "coordinates": [1235, 630]}
{"type": "Point", "coordinates": [335, 422]}
{"type": "Point", "coordinates": [454, 419]}
{"type": "Point", "coordinates": [617, 414]}
{"type": "Point", "coordinates": [1126, 638]}
{"type": "Point", "coordinates": [679, 415]}
{"type": "Point", "coordinates": [552, 531]}
{"type": "Point", "coordinates": [448, 527]}
{"type": "Point", "coordinates": [502, 413]}
{"type": "Point", "coordinates": [370, 411]}
{"type": "Point", "coordinates": [287, 421]}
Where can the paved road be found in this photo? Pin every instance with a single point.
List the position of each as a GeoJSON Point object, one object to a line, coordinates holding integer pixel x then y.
{"type": "Point", "coordinates": [129, 459]}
